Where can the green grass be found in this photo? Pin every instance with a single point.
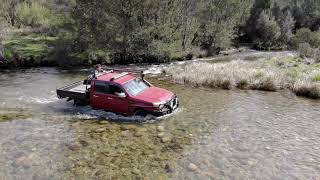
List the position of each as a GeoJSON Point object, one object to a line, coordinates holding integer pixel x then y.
{"type": "Point", "coordinates": [316, 77]}
{"type": "Point", "coordinates": [28, 45]}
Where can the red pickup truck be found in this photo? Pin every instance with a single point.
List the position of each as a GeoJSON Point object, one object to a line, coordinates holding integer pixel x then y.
{"type": "Point", "coordinates": [121, 93]}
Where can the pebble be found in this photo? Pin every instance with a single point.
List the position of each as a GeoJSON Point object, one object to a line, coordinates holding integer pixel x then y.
{"type": "Point", "coordinates": [165, 139]}
{"type": "Point", "coordinates": [125, 133]}
{"type": "Point", "coordinates": [24, 161]}
{"type": "Point", "coordinates": [160, 128]}
{"type": "Point", "coordinates": [128, 127]}
{"type": "Point", "coordinates": [84, 143]}
{"type": "Point", "coordinates": [99, 130]}
{"type": "Point", "coordinates": [138, 134]}
{"type": "Point", "coordinates": [74, 147]}
{"type": "Point", "coordinates": [192, 167]}
{"type": "Point", "coordinates": [103, 122]}
{"type": "Point", "coordinates": [160, 135]}
{"type": "Point", "coordinates": [169, 168]}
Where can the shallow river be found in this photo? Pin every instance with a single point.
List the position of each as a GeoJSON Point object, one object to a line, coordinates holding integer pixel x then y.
{"type": "Point", "coordinates": [215, 134]}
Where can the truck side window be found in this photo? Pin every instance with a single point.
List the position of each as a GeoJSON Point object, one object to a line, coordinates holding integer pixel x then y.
{"type": "Point", "coordinates": [114, 90]}
{"type": "Point", "coordinates": [100, 87]}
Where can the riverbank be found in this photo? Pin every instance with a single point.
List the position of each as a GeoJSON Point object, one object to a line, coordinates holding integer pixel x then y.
{"type": "Point", "coordinates": [291, 72]}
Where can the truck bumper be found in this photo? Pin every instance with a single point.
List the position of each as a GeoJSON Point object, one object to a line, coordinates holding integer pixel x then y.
{"type": "Point", "coordinates": [168, 108]}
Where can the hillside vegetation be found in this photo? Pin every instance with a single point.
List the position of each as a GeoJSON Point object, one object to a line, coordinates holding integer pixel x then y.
{"type": "Point", "coordinates": [81, 32]}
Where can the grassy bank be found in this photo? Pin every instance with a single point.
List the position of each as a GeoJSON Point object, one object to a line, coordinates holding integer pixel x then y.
{"type": "Point", "coordinates": [27, 49]}
{"type": "Point", "coordinates": [268, 75]}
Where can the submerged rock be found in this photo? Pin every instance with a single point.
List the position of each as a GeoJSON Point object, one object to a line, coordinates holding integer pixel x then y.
{"type": "Point", "coordinates": [169, 167]}
{"type": "Point", "coordinates": [8, 116]}
{"type": "Point", "coordinates": [160, 128]}
{"type": "Point", "coordinates": [160, 135]}
{"type": "Point", "coordinates": [74, 146]}
{"type": "Point", "coordinates": [165, 139]}
{"type": "Point", "coordinates": [84, 143]}
{"type": "Point", "coordinates": [138, 134]}
{"type": "Point", "coordinates": [128, 127]}
{"type": "Point", "coordinates": [125, 133]}
{"type": "Point", "coordinates": [103, 122]}
{"type": "Point", "coordinates": [100, 130]}
{"type": "Point", "coordinates": [192, 167]}
{"type": "Point", "coordinates": [24, 161]}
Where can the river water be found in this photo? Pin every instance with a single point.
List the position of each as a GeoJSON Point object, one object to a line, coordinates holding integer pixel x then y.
{"type": "Point", "coordinates": [215, 134]}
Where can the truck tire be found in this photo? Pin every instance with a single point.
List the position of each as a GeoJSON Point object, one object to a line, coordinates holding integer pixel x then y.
{"type": "Point", "coordinates": [140, 112]}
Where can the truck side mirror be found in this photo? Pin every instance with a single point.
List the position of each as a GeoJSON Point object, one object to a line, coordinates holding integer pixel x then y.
{"type": "Point", "coordinates": [122, 95]}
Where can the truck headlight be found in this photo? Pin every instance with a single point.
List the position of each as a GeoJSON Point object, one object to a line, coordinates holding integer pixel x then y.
{"type": "Point", "coordinates": [158, 104]}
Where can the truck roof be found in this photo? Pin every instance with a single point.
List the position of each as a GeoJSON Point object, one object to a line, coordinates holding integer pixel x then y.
{"type": "Point", "coordinates": [121, 80]}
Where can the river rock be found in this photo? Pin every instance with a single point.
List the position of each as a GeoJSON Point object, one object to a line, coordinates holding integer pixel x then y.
{"type": "Point", "coordinates": [74, 146]}
{"type": "Point", "coordinates": [103, 122]}
{"type": "Point", "coordinates": [138, 134]}
{"type": "Point", "coordinates": [169, 167]}
{"type": "Point", "coordinates": [160, 128]}
{"type": "Point", "coordinates": [128, 127]}
{"type": "Point", "coordinates": [84, 143]}
{"type": "Point", "coordinates": [165, 139]}
{"type": "Point", "coordinates": [125, 133]}
{"type": "Point", "coordinates": [24, 161]}
{"type": "Point", "coordinates": [192, 167]}
{"type": "Point", "coordinates": [160, 135]}
{"type": "Point", "coordinates": [100, 130]}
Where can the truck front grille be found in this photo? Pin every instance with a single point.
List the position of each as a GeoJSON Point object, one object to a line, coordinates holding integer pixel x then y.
{"type": "Point", "coordinates": [173, 103]}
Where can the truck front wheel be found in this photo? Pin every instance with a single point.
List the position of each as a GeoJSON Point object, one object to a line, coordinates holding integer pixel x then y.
{"type": "Point", "coordinates": [140, 112]}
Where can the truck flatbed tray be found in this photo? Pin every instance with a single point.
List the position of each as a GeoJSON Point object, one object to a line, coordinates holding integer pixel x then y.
{"type": "Point", "coordinates": [75, 91]}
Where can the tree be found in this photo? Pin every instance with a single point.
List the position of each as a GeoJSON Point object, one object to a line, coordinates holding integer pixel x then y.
{"type": "Point", "coordinates": [268, 31]}
{"type": "Point", "coordinates": [286, 23]}
{"type": "Point", "coordinates": [219, 20]}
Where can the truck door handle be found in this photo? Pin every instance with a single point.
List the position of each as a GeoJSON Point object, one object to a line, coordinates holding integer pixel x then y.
{"type": "Point", "coordinates": [95, 96]}
{"type": "Point", "coordinates": [109, 98]}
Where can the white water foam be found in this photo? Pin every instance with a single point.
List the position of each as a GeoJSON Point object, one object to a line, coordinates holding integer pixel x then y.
{"type": "Point", "coordinates": [86, 112]}
{"type": "Point", "coordinates": [38, 100]}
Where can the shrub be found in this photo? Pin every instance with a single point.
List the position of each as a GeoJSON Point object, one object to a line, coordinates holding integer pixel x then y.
{"type": "Point", "coordinates": [305, 50]}
{"type": "Point", "coordinates": [305, 35]}
{"type": "Point", "coordinates": [316, 55]}
{"type": "Point", "coordinates": [34, 14]}
{"type": "Point", "coordinates": [8, 54]}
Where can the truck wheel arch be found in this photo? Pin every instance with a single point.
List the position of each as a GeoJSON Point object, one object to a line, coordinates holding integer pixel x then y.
{"type": "Point", "coordinates": [140, 112]}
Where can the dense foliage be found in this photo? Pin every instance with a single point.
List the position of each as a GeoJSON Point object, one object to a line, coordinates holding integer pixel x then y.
{"type": "Point", "coordinates": [127, 31]}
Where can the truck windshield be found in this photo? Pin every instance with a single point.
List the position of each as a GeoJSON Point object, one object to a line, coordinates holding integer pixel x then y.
{"type": "Point", "coordinates": [135, 86]}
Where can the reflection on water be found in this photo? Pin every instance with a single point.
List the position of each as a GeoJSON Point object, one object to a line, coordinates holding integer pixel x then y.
{"type": "Point", "coordinates": [216, 134]}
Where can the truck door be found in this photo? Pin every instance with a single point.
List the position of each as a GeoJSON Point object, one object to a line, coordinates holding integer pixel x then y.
{"type": "Point", "coordinates": [99, 96]}
{"type": "Point", "coordinates": [117, 99]}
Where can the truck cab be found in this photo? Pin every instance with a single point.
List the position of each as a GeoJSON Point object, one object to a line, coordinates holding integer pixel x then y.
{"type": "Point", "coordinates": [126, 94]}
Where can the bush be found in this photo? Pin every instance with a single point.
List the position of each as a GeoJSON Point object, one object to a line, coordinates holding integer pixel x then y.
{"type": "Point", "coordinates": [305, 50]}
{"type": "Point", "coordinates": [305, 35]}
{"type": "Point", "coordinates": [316, 55]}
{"type": "Point", "coordinates": [34, 14]}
